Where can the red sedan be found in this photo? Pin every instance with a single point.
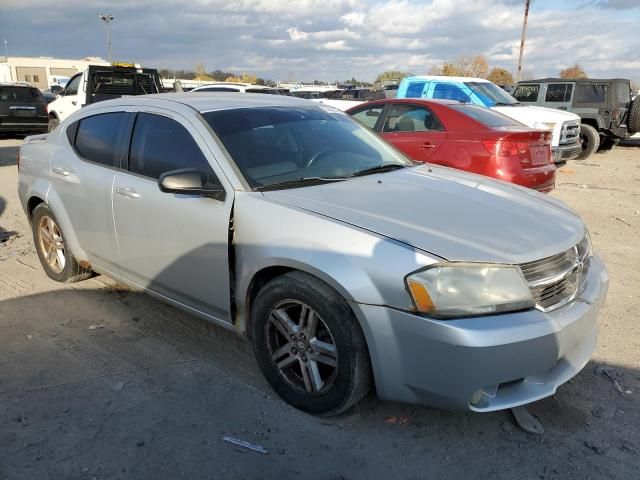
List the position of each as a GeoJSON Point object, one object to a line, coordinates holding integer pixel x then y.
{"type": "Point", "coordinates": [463, 136]}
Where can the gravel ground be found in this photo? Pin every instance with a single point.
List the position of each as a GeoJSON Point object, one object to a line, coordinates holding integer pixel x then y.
{"type": "Point", "coordinates": [98, 381]}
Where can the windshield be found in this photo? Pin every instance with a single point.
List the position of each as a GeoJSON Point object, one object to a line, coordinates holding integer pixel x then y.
{"type": "Point", "coordinates": [491, 94]}
{"type": "Point", "coordinates": [274, 145]}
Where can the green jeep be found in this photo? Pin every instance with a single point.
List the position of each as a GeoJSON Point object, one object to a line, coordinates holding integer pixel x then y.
{"type": "Point", "coordinates": [604, 105]}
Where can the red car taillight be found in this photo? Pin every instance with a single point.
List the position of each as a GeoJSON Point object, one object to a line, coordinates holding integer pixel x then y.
{"type": "Point", "coordinates": [508, 148]}
{"type": "Point", "coordinates": [529, 152]}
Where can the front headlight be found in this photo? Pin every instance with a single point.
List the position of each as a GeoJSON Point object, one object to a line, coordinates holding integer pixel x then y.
{"type": "Point", "coordinates": [544, 125]}
{"type": "Point", "coordinates": [465, 289]}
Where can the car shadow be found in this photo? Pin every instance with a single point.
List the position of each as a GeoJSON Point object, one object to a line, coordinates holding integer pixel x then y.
{"type": "Point", "coordinates": [5, 235]}
{"type": "Point", "coordinates": [103, 381]}
{"type": "Point", "coordinates": [8, 155]}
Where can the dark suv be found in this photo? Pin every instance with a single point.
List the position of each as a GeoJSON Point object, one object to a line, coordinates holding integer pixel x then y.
{"type": "Point", "coordinates": [23, 109]}
{"type": "Point", "coordinates": [608, 114]}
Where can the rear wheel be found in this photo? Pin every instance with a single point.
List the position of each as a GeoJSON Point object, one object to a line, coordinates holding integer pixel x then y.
{"type": "Point", "coordinates": [309, 344]}
{"type": "Point", "coordinates": [590, 140]}
{"type": "Point", "coordinates": [57, 260]}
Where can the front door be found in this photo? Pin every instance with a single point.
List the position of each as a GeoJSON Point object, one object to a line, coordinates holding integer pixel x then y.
{"type": "Point", "coordinates": [414, 129]}
{"type": "Point", "coordinates": [173, 244]}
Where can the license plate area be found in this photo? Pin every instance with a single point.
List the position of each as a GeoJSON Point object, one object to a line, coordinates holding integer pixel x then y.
{"type": "Point", "coordinates": [539, 155]}
{"type": "Point", "coordinates": [22, 111]}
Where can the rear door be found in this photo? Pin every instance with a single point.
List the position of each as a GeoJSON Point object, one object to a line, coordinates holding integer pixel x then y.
{"type": "Point", "coordinates": [82, 174]}
{"type": "Point", "coordinates": [414, 129]}
{"type": "Point", "coordinates": [173, 244]}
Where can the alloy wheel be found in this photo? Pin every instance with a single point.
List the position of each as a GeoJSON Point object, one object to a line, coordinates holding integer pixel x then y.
{"type": "Point", "coordinates": [51, 244]}
{"type": "Point", "coordinates": [301, 347]}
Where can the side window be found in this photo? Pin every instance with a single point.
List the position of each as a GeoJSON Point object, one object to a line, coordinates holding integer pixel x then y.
{"type": "Point", "coordinates": [368, 116]}
{"type": "Point", "coordinates": [450, 92]}
{"type": "Point", "coordinates": [526, 93]}
{"type": "Point", "coordinates": [591, 93]}
{"type": "Point", "coordinates": [99, 137]}
{"type": "Point", "coordinates": [72, 86]}
{"type": "Point", "coordinates": [624, 93]}
{"type": "Point", "coordinates": [410, 118]}
{"type": "Point", "coordinates": [558, 92]}
{"type": "Point", "coordinates": [415, 89]}
{"type": "Point", "coordinates": [160, 144]}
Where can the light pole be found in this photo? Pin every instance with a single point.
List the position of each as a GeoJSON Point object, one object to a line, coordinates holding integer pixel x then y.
{"type": "Point", "coordinates": [107, 18]}
{"type": "Point", "coordinates": [524, 32]}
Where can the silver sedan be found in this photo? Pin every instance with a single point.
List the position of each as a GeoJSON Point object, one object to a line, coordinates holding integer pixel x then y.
{"type": "Point", "coordinates": [346, 264]}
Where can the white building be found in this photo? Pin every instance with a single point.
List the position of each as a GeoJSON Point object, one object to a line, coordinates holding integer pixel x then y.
{"type": "Point", "coordinates": [41, 72]}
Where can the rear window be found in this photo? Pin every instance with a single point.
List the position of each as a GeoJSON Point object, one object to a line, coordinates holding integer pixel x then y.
{"type": "Point", "coordinates": [20, 94]}
{"type": "Point", "coordinates": [262, 90]}
{"type": "Point", "coordinates": [485, 116]}
{"type": "Point", "coordinates": [118, 82]}
{"type": "Point", "coordinates": [98, 138]}
{"type": "Point", "coordinates": [526, 93]}
{"type": "Point", "coordinates": [591, 93]}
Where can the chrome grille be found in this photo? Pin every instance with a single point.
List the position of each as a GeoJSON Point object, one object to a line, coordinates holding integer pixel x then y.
{"type": "Point", "coordinates": [570, 132]}
{"type": "Point", "coordinates": [556, 280]}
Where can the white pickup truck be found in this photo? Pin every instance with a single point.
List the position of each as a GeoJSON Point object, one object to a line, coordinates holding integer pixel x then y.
{"type": "Point", "coordinates": [98, 83]}
{"type": "Point", "coordinates": [565, 142]}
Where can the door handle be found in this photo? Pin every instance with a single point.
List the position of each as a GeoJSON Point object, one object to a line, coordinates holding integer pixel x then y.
{"type": "Point", "coordinates": [73, 102]}
{"type": "Point", "coordinates": [61, 171]}
{"type": "Point", "coordinates": [127, 192]}
{"type": "Point", "coordinates": [427, 146]}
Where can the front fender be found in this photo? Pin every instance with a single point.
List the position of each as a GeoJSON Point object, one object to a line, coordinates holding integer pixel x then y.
{"type": "Point", "coordinates": [360, 265]}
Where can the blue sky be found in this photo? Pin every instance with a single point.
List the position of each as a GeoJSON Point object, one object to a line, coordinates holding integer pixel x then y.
{"type": "Point", "coordinates": [332, 39]}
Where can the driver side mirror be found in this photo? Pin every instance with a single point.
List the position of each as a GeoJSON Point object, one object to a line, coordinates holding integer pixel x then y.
{"type": "Point", "coordinates": [189, 181]}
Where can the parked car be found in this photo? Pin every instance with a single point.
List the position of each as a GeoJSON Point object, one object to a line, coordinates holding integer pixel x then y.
{"type": "Point", "coordinates": [235, 87]}
{"type": "Point", "coordinates": [99, 83]}
{"type": "Point", "coordinates": [605, 107]}
{"type": "Point", "coordinates": [49, 96]}
{"type": "Point", "coordinates": [23, 109]}
{"type": "Point", "coordinates": [346, 99]}
{"type": "Point", "coordinates": [564, 125]}
{"type": "Point", "coordinates": [345, 263]}
{"type": "Point", "coordinates": [464, 136]}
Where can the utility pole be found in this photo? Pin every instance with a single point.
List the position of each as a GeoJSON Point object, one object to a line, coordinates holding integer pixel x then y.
{"type": "Point", "coordinates": [524, 32]}
{"type": "Point", "coordinates": [107, 18]}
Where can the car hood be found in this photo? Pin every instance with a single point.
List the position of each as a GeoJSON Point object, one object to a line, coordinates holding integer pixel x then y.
{"type": "Point", "coordinates": [528, 114]}
{"type": "Point", "coordinates": [448, 213]}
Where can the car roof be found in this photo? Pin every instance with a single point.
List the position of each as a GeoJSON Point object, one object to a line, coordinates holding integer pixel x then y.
{"type": "Point", "coordinates": [210, 101]}
{"type": "Point", "coordinates": [445, 78]}
{"type": "Point", "coordinates": [16, 84]}
{"type": "Point", "coordinates": [584, 80]}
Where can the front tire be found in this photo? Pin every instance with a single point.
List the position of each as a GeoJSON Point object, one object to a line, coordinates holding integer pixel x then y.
{"type": "Point", "coordinates": [309, 344]}
{"type": "Point", "coordinates": [55, 256]}
{"type": "Point", "coordinates": [590, 140]}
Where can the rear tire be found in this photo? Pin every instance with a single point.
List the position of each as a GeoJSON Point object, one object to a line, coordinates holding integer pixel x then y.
{"type": "Point", "coordinates": [53, 251]}
{"type": "Point", "coordinates": [633, 118]}
{"type": "Point", "coordinates": [53, 124]}
{"type": "Point", "coordinates": [309, 344]}
{"type": "Point", "coordinates": [590, 140]}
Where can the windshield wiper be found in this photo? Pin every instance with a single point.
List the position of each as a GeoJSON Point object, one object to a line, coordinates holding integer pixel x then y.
{"type": "Point", "coordinates": [505, 104]}
{"type": "Point", "coordinates": [379, 169]}
{"type": "Point", "coordinates": [299, 182]}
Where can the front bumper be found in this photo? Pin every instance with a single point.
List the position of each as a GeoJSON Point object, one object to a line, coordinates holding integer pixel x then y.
{"type": "Point", "coordinates": [563, 153]}
{"type": "Point", "coordinates": [499, 361]}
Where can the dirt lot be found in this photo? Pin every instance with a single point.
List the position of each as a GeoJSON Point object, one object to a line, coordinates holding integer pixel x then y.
{"type": "Point", "coordinates": [97, 381]}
